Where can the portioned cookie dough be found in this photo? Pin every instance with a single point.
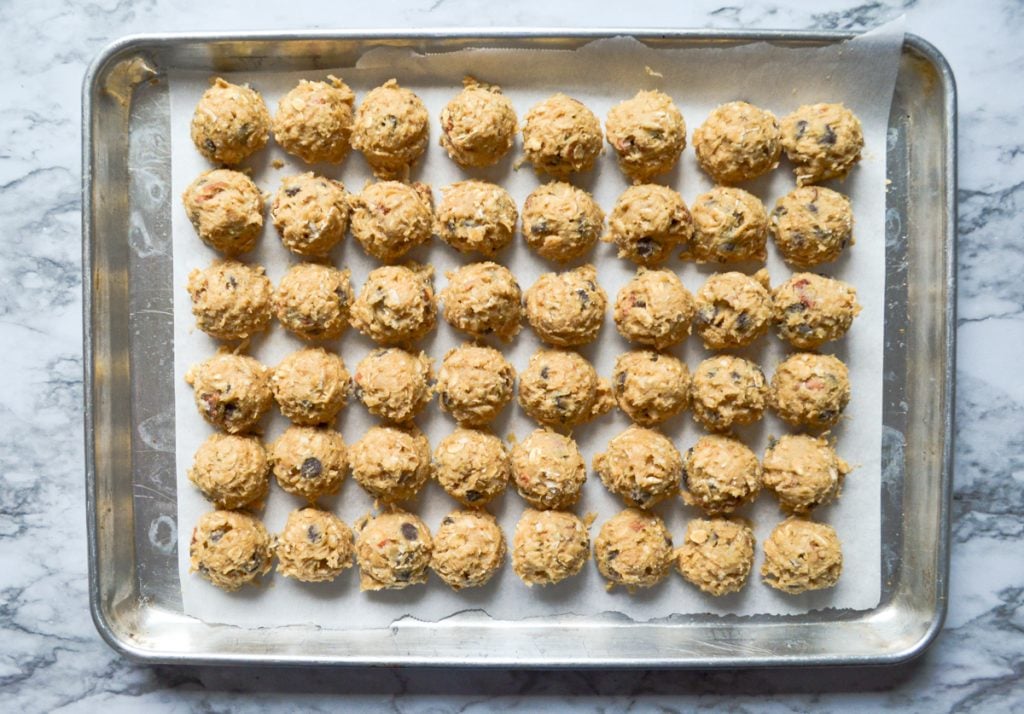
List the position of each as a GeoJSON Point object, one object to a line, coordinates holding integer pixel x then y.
{"type": "Point", "coordinates": [640, 465]}
{"type": "Point", "coordinates": [716, 555]}
{"type": "Point", "coordinates": [727, 391]}
{"type": "Point", "coordinates": [648, 134]}
{"type": "Point", "coordinates": [396, 304]}
{"type": "Point", "coordinates": [802, 555]}
{"type": "Point", "coordinates": [390, 218]}
{"type": "Point", "coordinates": [232, 392]}
{"type": "Point", "coordinates": [560, 388]}
{"type": "Point", "coordinates": [478, 126]}
{"type": "Point", "coordinates": [561, 222]}
{"type": "Point", "coordinates": [476, 216]}
{"type": "Point", "coordinates": [812, 225]}
{"type": "Point", "coordinates": [314, 547]}
{"type": "Point", "coordinates": [393, 551]}
{"type": "Point", "coordinates": [231, 471]}
{"type": "Point", "coordinates": [803, 471]}
{"type": "Point", "coordinates": [230, 123]}
{"type": "Point", "coordinates": [309, 461]}
{"type": "Point", "coordinates": [654, 308]}
{"type": "Point", "coordinates": [721, 475]}
{"type": "Point", "coordinates": [567, 309]}
{"type": "Point", "coordinates": [561, 136]}
{"type": "Point", "coordinates": [738, 142]}
{"type": "Point", "coordinates": [230, 549]}
{"type": "Point", "coordinates": [634, 549]}
{"type": "Point", "coordinates": [650, 386]}
{"type": "Point", "coordinates": [474, 384]}
{"type": "Point", "coordinates": [548, 470]}
{"type": "Point", "coordinates": [313, 301]}
{"type": "Point", "coordinates": [310, 214]}
{"type": "Point", "coordinates": [469, 548]}
{"type": "Point", "coordinates": [648, 222]}
{"type": "Point", "coordinates": [314, 120]}
{"type": "Point", "coordinates": [394, 384]}
{"type": "Point", "coordinates": [733, 310]}
{"type": "Point", "coordinates": [549, 546]}
{"type": "Point", "coordinates": [483, 299]}
{"type": "Point", "coordinates": [729, 226]}
{"type": "Point", "coordinates": [391, 130]}
{"type": "Point", "coordinates": [472, 466]}
{"type": "Point", "coordinates": [226, 209]}
{"type": "Point", "coordinates": [810, 390]}
{"type": "Point", "coordinates": [811, 310]}
{"type": "Point", "coordinates": [391, 463]}
{"type": "Point", "coordinates": [822, 141]}
{"type": "Point", "coordinates": [230, 300]}
{"type": "Point", "coordinates": [311, 386]}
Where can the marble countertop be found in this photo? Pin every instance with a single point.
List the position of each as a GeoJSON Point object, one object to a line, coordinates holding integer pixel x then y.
{"type": "Point", "coordinates": [51, 657]}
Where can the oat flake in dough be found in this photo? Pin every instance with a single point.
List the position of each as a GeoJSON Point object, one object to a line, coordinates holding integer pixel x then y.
{"type": "Point", "coordinates": [478, 125]}
{"type": "Point", "coordinates": [231, 471]}
{"type": "Point", "coordinates": [802, 555]}
{"type": "Point", "coordinates": [314, 120]}
{"type": "Point", "coordinates": [309, 461]}
{"type": "Point", "coordinates": [230, 122]}
{"type": "Point", "coordinates": [391, 130]}
{"type": "Point", "coordinates": [393, 551]}
{"type": "Point", "coordinates": [310, 213]}
{"type": "Point", "coordinates": [232, 392]}
{"type": "Point", "coordinates": [650, 387]}
{"type": "Point", "coordinates": [549, 546]}
{"type": "Point", "coordinates": [469, 548]}
{"type": "Point", "coordinates": [312, 301]}
{"type": "Point", "coordinates": [396, 304]}
{"type": "Point", "coordinates": [483, 299]}
{"type": "Point", "coordinates": [230, 549]}
{"type": "Point", "coordinates": [391, 463]}
{"type": "Point", "coordinates": [548, 470]}
{"type": "Point", "coordinates": [314, 547]}
{"type": "Point", "coordinates": [560, 388]}
{"type": "Point", "coordinates": [474, 384]}
{"type": "Point", "coordinates": [567, 309]}
{"type": "Point", "coordinates": [716, 555]}
{"type": "Point", "coordinates": [310, 386]}
{"type": "Point", "coordinates": [393, 384]}
{"type": "Point", "coordinates": [226, 209]}
{"type": "Point", "coordinates": [230, 300]}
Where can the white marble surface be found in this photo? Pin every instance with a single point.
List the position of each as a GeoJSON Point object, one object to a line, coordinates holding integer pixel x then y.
{"type": "Point", "coordinates": [52, 659]}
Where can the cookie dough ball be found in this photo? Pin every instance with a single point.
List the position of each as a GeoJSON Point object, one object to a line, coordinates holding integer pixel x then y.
{"type": "Point", "coordinates": [478, 126]}
{"type": "Point", "coordinates": [738, 142]}
{"type": "Point", "coordinates": [483, 299]}
{"type": "Point", "coordinates": [561, 136]}
{"type": "Point", "coordinates": [230, 549]}
{"type": "Point", "coordinates": [394, 384]}
{"type": "Point", "coordinates": [232, 392]}
{"type": "Point", "coordinates": [648, 222]}
{"type": "Point", "coordinates": [391, 130]}
{"type": "Point", "coordinates": [811, 310]}
{"type": "Point", "coordinates": [310, 214]}
{"type": "Point", "coordinates": [314, 547]}
{"type": "Point", "coordinates": [314, 120]}
{"type": "Point", "coordinates": [802, 555]}
{"type": "Point", "coordinates": [231, 122]}
{"type": "Point", "coordinates": [312, 301]}
{"type": "Point", "coordinates": [650, 386]}
{"type": "Point", "coordinates": [822, 141]}
{"type": "Point", "coordinates": [634, 549]}
{"type": "Point", "coordinates": [561, 222]}
{"type": "Point", "coordinates": [469, 548]}
{"type": "Point", "coordinates": [309, 462]}
{"type": "Point", "coordinates": [812, 225]}
{"type": "Point", "coordinates": [390, 218]}
{"type": "Point", "coordinates": [230, 300]}
{"type": "Point", "coordinates": [393, 551]}
{"type": "Point", "coordinates": [640, 465]}
{"type": "Point", "coordinates": [648, 134]}
{"type": "Point", "coordinates": [560, 388]}
{"type": "Point", "coordinates": [231, 471]}
{"type": "Point", "coordinates": [716, 555]}
{"type": "Point", "coordinates": [727, 391]}
{"type": "Point", "coordinates": [474, 384]}
{"type": "Point", "coordinates": [473, 467]}
{"type": "Point", "coordinates": [549, 546]}
{"type": "Point", "coordinates": [654, 308]}
{"type": "Point", "coordinates": [226, 209]}
{"type": "Point", "coordinates": [721, 475]}
{"type": "Point", "coordinates": [396, 304]}
{"type": "Point", "coordinates": [311, 386]}
{"type": "Point", "coordinates": [476, 216]}
{"type": "Point", "coordinates": [730, 226]}
{"type": "Point", "coordinates": [733, 310]}
{"type": "Point", "coordinates": [391, 463]}
{"type": "Point", "coordinates": [810, 390]}
{"type": "Point", "coordinates": [548, 470]}
{"type": "Point", "coordinates": [567, 309]}
{"type": "Point", "coordinates": [803, 472]}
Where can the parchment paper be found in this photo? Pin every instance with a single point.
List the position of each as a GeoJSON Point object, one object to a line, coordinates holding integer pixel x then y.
{"type": "Point", "coordinates": [860, 73]}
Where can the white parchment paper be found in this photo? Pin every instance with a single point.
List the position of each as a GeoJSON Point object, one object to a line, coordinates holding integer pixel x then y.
{"type": "Point", "coordinates": [861, 73]}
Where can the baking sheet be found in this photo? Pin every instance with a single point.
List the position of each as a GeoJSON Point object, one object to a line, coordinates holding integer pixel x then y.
{"type": "Point", "coordinates": [860, 73]}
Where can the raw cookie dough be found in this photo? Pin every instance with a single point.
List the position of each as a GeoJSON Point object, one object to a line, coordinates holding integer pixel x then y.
{"type": "Point", "coordinates": [390, 218]}
{"type": "Point", "coordinates": [314, 120]}
{"type": "Point", "coordinates": [309, 461]}
{"type": "Point", "coordinates": [474, 384]}
{"type": "Point", "coordinates": [548, 470]}
{"type": "Point", "coordinates": [232, 392]}
{"type": "Point", "coordinates": [310, 386]}
{"type": "Point", "coordinates": [312, 301]}
{"type": "Point", "coordinates": [549, 546]}
{"type": "Point", "coordinates": [648, 134]}
{"type": "Point", "coordinates": [738, 142]}
{"type": "Point", "coordinates": [310, 214]}
{"type": "Point", "coordinates": [811, 310]}
{"type": "Point", "coordinates": [650, 386]}
{"type": "Point", "coordinates": [391, 463]}
{"type": "Point", "coordinates": [716, 555]}
{"type": "Point", "coordinates": [230, 549]}
{"type": "Point", "coordinates": [560, 388]}
{"type": "Point", "coordinates": [469, 548]}
{"type": "Point", "coordinates": [394, 384]}
{"type": "Point", "coordinates": [720, 475]}
{"type": "Point", "coordinates": [634, 549]}
{"type": "Point", "coordinates": [478, 126]}
{"type": "Point", "coordinates": [476, 216]}
{"type": "Point", "coordinates": [483, 299]}
{"type": "Point", "coordinates": [231, 471]}
{"type": "Point", "coordinates": [729, 226]}
{"type": "Point", "coordinates": [810, 390]}
{"type": "Point", "coordinates": [230, 300]}
{"type": "Point", "coordinates": [561, 222]}
{"type": "Point", "coordinates": [314, 547]}
{"type": "Point", "coordinates": [391, 130]}
{"type": "Point", "coordinates": [654, 308]}
{"type": "Point", "coordinates": [226, 209]}
{"type": "Point", "coordinates": [733, 310]}
{"type": "Point", "coordinates": [802, 555]}
{"type": "Point", "coordinates": [393, 550]}
{"type": "Point", "coordinates": [567, 309]}
{"type": "Point", "coordinates": [230, 123]}
{"type": "Point", "coordinates": [396, 304]}
{"type": "Point", "coordinates": [803, 471]}
{"type": "Point", "coordinates": [641, 466]}
{"type": "Point", "coordinates": [561, 136]}
{"type": "Point", "coordinates": [648, 222]}
{"type": "Point", "coordinates": [727, 391]}
{"type": "Point", "coordinates": [473, 467]}
{"type": "Point", "coordinates": [812, 225]}
{"type": "Point", "coordinates": [822, 141]}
